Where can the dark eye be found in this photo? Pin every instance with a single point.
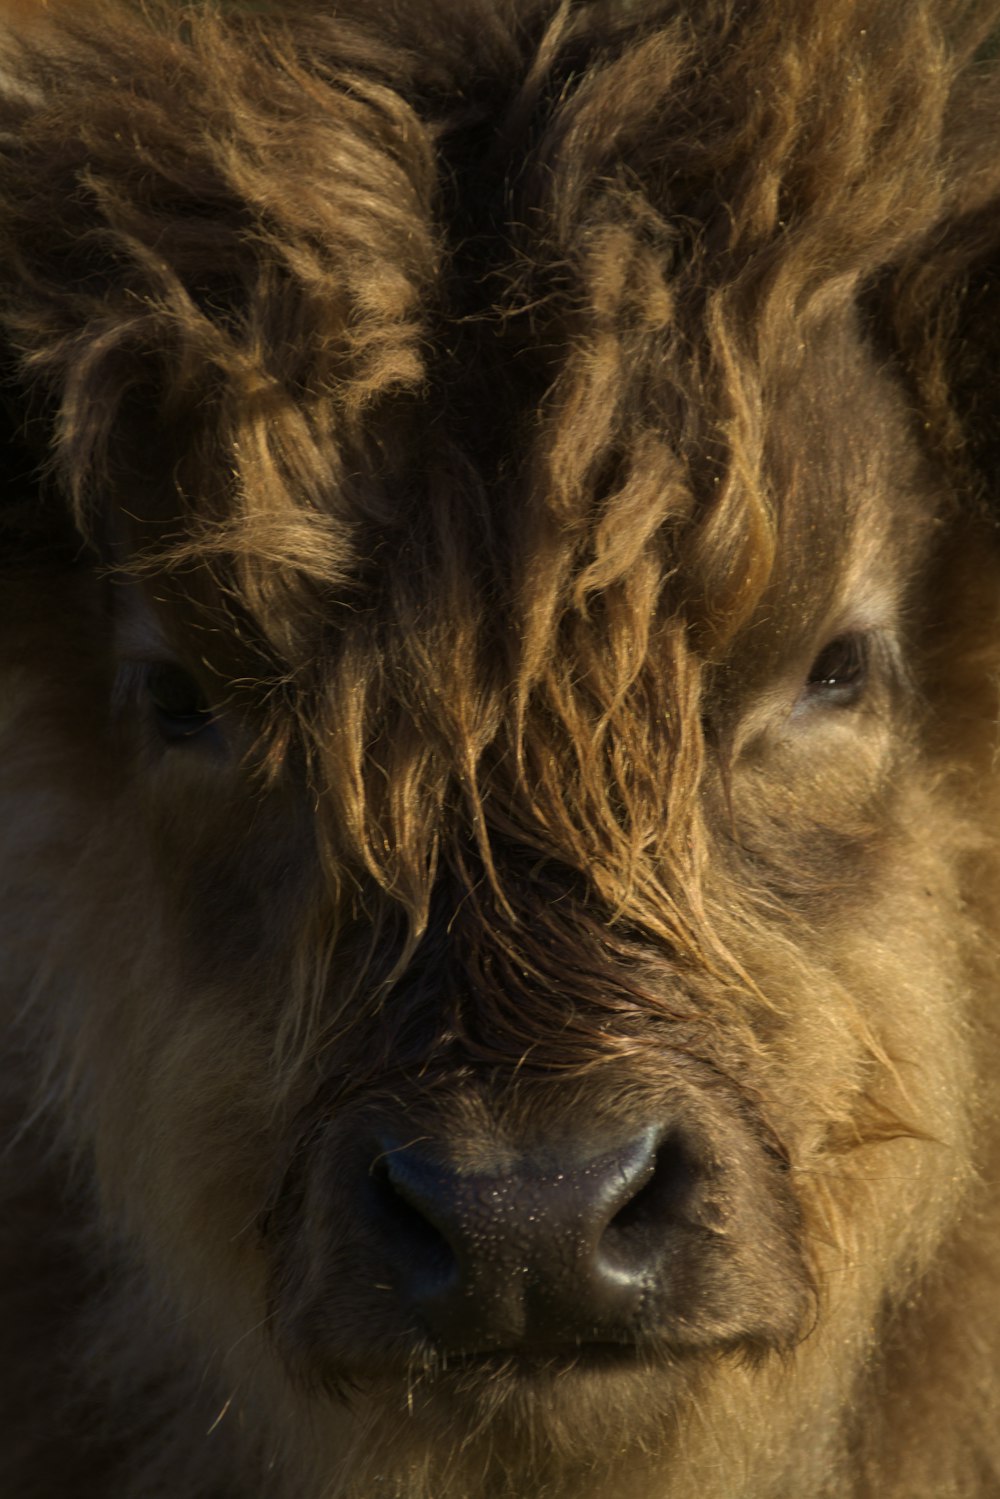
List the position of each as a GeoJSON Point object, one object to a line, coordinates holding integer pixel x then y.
{"type": "Point", "coordinates": [839, 673]}
{"type": "Point", "coordinates": [178, 702]}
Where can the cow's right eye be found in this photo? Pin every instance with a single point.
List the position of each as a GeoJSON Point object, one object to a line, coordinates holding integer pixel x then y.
{"type": "Point", "coordinates": [178, 702]}
{"type": "Point", "coordinates": [840, 671]}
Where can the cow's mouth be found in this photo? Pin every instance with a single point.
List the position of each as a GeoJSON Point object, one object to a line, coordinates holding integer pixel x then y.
{"type": "Point", "coordinates": [554, 1362]}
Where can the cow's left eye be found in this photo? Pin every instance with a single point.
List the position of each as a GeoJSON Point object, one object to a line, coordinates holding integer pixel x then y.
{"type": "Point", "coordinates": [840, 671]}
{"type": "Point", "coordinates": [178, 702]}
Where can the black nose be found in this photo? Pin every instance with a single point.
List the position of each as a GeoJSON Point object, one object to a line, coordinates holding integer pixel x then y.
{"type": "Point", "coordinates": [541, 1254]}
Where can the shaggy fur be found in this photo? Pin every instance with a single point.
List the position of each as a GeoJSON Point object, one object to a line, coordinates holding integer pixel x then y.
{"type": "Point", "coordinates": [500, 646]}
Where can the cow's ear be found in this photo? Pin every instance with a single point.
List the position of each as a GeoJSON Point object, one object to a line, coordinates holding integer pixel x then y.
{"type": "Point", "coordinates": [972, 363]}
{"type": "Point", "coordinates": [35, 521]}
{"type": "Point", "coordinates": [18, 470]}
{"type": "Point", "coordinates": [938, 308]}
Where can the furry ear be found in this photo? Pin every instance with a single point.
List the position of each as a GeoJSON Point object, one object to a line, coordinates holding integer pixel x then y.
{"type": "Point", "coordinates": [35, 521]}
{"type": "Point", "coordinates": [971, 355]}
{"type": "Point", "coordinates": [938, 309]}
{"type": "Point", "coordinates": [18, 467]}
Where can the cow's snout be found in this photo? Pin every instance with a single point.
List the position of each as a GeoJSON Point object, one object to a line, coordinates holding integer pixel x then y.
{"type": "Point", "coordinates": [474, 1229]}
{"type": "Point", "coordinates": [556, 1250]}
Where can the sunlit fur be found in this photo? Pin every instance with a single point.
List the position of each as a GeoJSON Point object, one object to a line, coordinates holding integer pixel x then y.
{"type": "Point", "coordinates": [497, 406]}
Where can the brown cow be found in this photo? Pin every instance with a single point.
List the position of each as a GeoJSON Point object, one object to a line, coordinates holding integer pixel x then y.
{"type": "Point", "coordinates": [498, 803]}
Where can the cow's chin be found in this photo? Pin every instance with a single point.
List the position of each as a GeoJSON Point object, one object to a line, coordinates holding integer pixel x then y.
{"type": "Point", "coordinates": [565, 1425]}
{"type": "Point", "coordinates": [603, 1424]}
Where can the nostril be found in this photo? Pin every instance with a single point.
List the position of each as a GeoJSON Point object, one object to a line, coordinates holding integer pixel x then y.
{"type": "Point", "coordinates": [403, 1217]}
{"type": "Point", "coordinates": [635, 1233]}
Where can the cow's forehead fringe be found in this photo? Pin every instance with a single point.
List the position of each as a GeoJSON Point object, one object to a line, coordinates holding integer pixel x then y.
{"type": "Point", "coordinates": [455, 369]}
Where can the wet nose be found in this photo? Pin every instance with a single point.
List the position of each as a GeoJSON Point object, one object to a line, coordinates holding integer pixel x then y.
{"type": "Point", "coordinates": [545, 1253]}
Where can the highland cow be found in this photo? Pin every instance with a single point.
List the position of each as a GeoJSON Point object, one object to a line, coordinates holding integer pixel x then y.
{"type": "Point", "coordinates": [499, 829]}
